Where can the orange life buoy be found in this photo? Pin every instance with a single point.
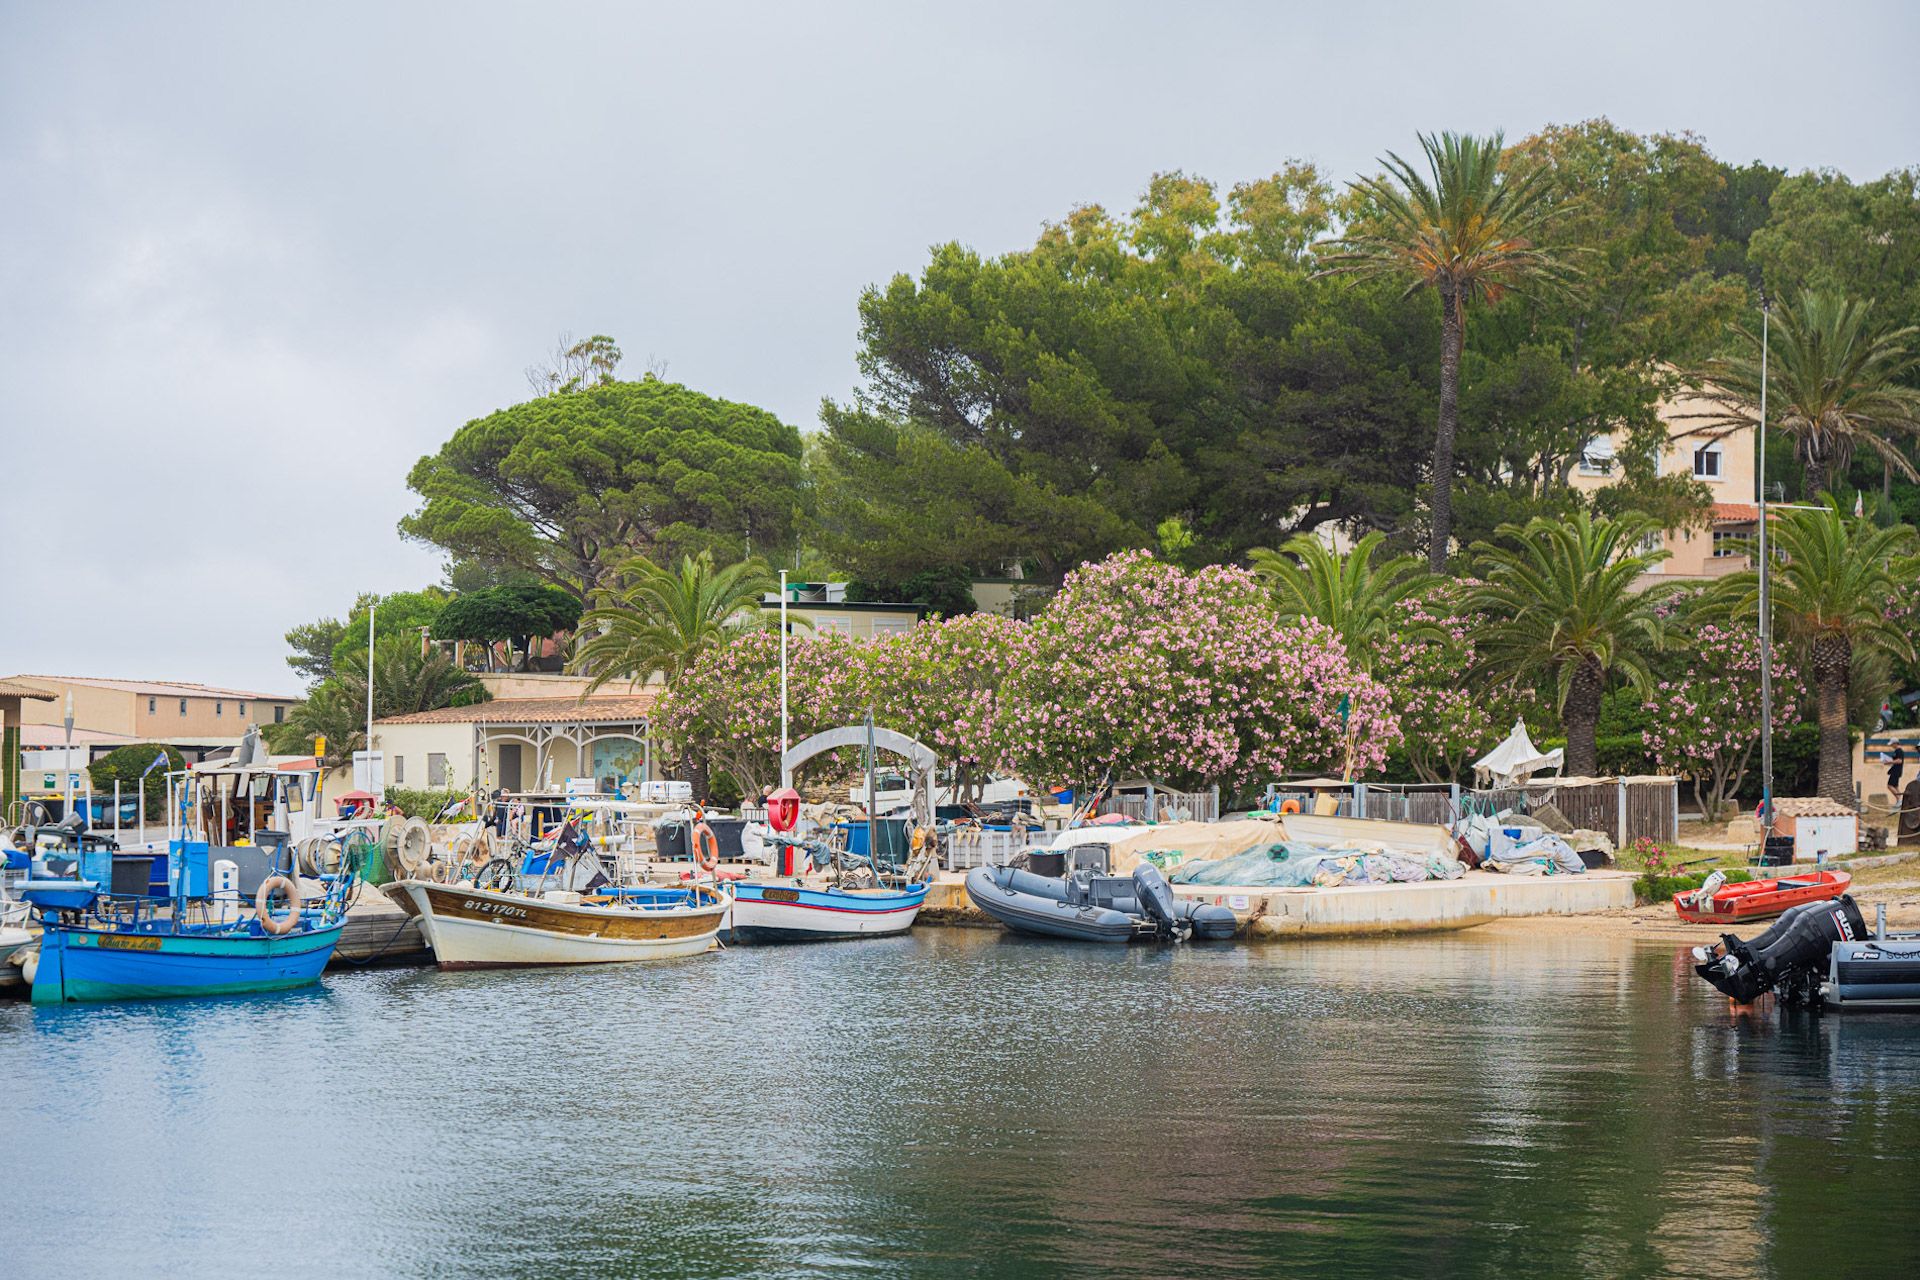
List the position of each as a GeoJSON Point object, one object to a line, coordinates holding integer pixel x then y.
{"type": "Point", "coordinates": [263, 903]}
{"type": "Point", "coordinates": [706, 847]}
{"type": "Point", "coordinates": [1289, 806]}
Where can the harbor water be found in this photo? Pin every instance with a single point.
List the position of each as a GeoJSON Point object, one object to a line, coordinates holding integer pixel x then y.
{"type": "Point", "coordinates": [959, 1102]}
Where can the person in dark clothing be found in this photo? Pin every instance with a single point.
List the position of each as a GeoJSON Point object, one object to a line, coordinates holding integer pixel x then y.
{"type": "Point", "coordinates": [1896, 770]}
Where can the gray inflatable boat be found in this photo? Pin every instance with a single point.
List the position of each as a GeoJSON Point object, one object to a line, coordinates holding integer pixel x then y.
{"type": "Point", "coordinates": [1094, 908]}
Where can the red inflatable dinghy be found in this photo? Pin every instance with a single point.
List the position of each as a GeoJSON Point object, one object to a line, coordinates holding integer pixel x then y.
{"type": "Point", "coordinates": [1760, 899]}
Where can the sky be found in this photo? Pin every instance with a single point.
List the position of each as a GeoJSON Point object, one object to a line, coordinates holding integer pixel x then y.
{"type": "Point", "coordinates": [258, 259]}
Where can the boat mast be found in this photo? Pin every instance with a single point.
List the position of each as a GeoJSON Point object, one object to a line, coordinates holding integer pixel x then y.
{"type": "Point", "coordinates": [873, 850]}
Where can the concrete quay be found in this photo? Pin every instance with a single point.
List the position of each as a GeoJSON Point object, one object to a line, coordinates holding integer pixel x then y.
{"type": "Point", "coordinates": [1273, 915]}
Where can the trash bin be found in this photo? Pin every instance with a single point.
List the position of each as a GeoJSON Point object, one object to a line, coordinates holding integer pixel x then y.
{"type": "Point", "coordinates": [894, 836]}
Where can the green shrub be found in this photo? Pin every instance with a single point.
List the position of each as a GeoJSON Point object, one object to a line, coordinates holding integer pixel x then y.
{"type": "Point", "coordinates": [125, 765]}
{"type": "Point", "coordinates": [1658, 888]}
{"type": "Point", "coordinates": [422, 803]}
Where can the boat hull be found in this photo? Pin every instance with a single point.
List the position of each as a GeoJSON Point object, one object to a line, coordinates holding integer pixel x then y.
{"type": "Point", "coordinates": [1762, 899]}
{"type": "Point", "coordinates": [1025, 904]}
{"type": "Point", "coordinates": [84, 965]}
{"type": "Point", "coordinates": [471, 928]}
{"type": "Point", "coordinates": [789, 913]}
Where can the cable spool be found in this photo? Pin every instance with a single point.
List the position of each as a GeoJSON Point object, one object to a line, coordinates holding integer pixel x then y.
{"type": "Point", "coordinates": [412, 845]}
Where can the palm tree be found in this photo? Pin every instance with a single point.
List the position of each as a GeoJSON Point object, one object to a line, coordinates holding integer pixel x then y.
{"type": "Point", "coordinates": [1470, 232]}
{"type": "Point", "coordinates": [1830, 587]}
{"type": "Point", "coordinates": [656, 622]}
{"type": "Point", "coordinates": [1564, 602]}
{"type": "Point", "coordinates": [1834, 384]}
{"type": "Point", "coordinates": [1359, 599]}
{"type": "Point", "coordinates": [406, 678]}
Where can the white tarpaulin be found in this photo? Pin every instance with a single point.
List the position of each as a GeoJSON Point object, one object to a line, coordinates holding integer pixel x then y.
{"type": "Point", "coordinates": [1516, 759]}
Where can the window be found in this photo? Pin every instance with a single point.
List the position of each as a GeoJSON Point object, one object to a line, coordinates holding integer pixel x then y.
{"type": "Point", "coordinates": [838, 626]}
{"type": "Point", "coordinates": [1706, 462]}
{"type": "Point", "coordinates": [183, 706]}
{"type": "Point", "coordinates": [153, 705]}
{"type": "Point", "coordinates": [1597, 458]}
{"type": "Point", "coordinates": [1726, 542]}
{"type": "Point", "coordinates": [436, 769]}
{"type": "Point", "coordinates": [279, 715]}
{"type": "Point", "coordinates": [240, 708]}
{"type": "Point", "coordinates": [219, 708]}
{"type": "Point", "coordinates": [891, 626]}
{"type": "Point", "coordinates": [399, 770]}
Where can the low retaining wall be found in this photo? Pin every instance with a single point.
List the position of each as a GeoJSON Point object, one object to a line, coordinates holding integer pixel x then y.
{"type": "Point", "coordinates": [1270, 915]}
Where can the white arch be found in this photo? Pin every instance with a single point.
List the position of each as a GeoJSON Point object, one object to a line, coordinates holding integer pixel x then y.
{"type": "Point", "coordinates": [919, 756]}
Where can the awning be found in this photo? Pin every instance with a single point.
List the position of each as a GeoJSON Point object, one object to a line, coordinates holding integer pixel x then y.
{"type": "Point", "coordinates": [1517, 759]}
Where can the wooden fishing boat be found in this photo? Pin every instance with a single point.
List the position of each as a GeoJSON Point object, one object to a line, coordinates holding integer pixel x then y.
{"type": "Point", "coordinates": [793, 912]}
{"type": "Point", "coordinates": [470, 927]}
{"type": "Point", "coordinates": [1759, 899]}
{"type": "Point", "coordinates": [157, 958]}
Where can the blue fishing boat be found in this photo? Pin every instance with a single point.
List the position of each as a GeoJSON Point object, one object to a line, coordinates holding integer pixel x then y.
{"type": "Point", "coordinates": [105, 936]}
{"type": "Point", "coordinates": [156, 958]}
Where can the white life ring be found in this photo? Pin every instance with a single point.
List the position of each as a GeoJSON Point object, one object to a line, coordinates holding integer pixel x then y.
{"type": "Point", "coordinates": [278, 926]}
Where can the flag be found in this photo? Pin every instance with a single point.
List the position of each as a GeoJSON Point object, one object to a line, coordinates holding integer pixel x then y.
{"type": "Point", "coordinates": [1859, 504]}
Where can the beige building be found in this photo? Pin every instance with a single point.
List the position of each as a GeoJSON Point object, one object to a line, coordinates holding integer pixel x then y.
{"type": "Point", "coordinates": [1724, 462]}
{"type": "Point", "coordinates": [536, 733]}
{"type": "Point", "coordinates": [153, 710]}
{"type": "Point", "coordinates": [826, 607]}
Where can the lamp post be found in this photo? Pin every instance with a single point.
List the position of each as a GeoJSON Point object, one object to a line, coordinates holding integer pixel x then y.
{"type": "Point", "coordinates": [68, 811]}
{"type": "Point", "coordinates": [1766, 612]}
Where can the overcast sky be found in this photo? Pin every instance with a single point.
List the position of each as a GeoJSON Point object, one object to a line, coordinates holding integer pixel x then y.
{"type": "Point", "coordinates": [256, 259]}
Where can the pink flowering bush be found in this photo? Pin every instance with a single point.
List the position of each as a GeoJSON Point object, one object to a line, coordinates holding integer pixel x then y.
{"type": "Point", "coordinates": [726, 708]}
{"type": "Point", "coordinates": [940, 684]}
{"type": "Point", "coordinates": [1423, 663]}
{"type": "Point", "coordinates": [1705, 722]}
{"type": "Point", "coordinates": [1139, 668]}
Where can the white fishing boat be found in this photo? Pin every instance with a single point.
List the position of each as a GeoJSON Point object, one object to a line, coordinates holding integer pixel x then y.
{"type": "Point", "coordinates": [470, 927]}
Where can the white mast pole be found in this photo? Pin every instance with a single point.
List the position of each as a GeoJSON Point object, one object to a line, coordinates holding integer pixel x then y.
{"type": "Point", "coordinates": [1766, 612]}
{"type": "Point", "coordinates": [786, 778]}
{"type": "Point", "coordinates": [379, 789]}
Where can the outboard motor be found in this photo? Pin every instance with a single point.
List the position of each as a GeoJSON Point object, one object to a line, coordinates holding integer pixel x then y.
{"type": "Point", "coordinates": [1792, 951]}
{"type": "Point", "coordinates": [1157, 902]}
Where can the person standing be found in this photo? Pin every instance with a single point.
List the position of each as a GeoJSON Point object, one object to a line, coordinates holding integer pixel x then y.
{"type": "Point", "coordinates": [1895, 771]}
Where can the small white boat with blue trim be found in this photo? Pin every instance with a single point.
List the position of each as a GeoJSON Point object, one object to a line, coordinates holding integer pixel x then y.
{"type": "Point", "coordinates": [792, 911]}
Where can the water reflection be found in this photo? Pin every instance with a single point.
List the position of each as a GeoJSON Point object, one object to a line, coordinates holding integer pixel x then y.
{"type": "Point", "coordinates": [962, 1101]}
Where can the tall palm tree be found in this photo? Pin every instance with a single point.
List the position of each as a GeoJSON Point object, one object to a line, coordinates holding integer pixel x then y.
{"type": "Point", "coordinates": [655, 622]}
{"type": "Point", "coordinates": [1359, 599]}
{"type": "Point", "coordinates": [1470, 231]}
{"type": "Point", "coordinates": [1834, 384]}
{"type": "Point", "coordinates": [1563, 602]}
{"type": "Point", "coordinates": [1830, 588]}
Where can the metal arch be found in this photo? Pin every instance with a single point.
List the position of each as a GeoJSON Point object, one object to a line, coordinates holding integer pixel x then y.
{"type": "Point", "coordinates": [918, 754]}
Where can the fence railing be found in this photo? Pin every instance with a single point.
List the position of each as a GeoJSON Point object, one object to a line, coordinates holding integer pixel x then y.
{"type": "Point", "coordinates": [1623, 809]}
{"type": "Point", "coordinates": [1165, 805]}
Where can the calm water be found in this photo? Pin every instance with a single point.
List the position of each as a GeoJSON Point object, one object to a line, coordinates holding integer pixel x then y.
{"type": "Point", "coordinates": [961, 1103]}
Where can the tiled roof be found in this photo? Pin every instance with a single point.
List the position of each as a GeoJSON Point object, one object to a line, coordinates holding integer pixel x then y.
{"type": "Point", "coordinates": [1744, 511]}
{"type": "Point", "coordinates": [1811, 807]}
{"type": "Point", "coordinates": [161, 688]}
{"type": "Point", "coordinates": [15, 689]}
{"type": "Point", "coordinates": [536, 711]}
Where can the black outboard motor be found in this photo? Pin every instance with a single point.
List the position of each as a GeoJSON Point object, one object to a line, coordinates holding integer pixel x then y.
{"type": "Point", "coordinates": [1794, 949]}
{"type": "Point", "coordinates": [1156, 902]}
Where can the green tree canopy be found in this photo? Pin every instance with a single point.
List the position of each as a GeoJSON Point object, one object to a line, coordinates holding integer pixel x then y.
{"type": "Point", "coordinates": [125, 765]}
{"type": "Point", "coordinates": [519, 614]}
{"type": "Point", "coordinates": [568, 485]}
